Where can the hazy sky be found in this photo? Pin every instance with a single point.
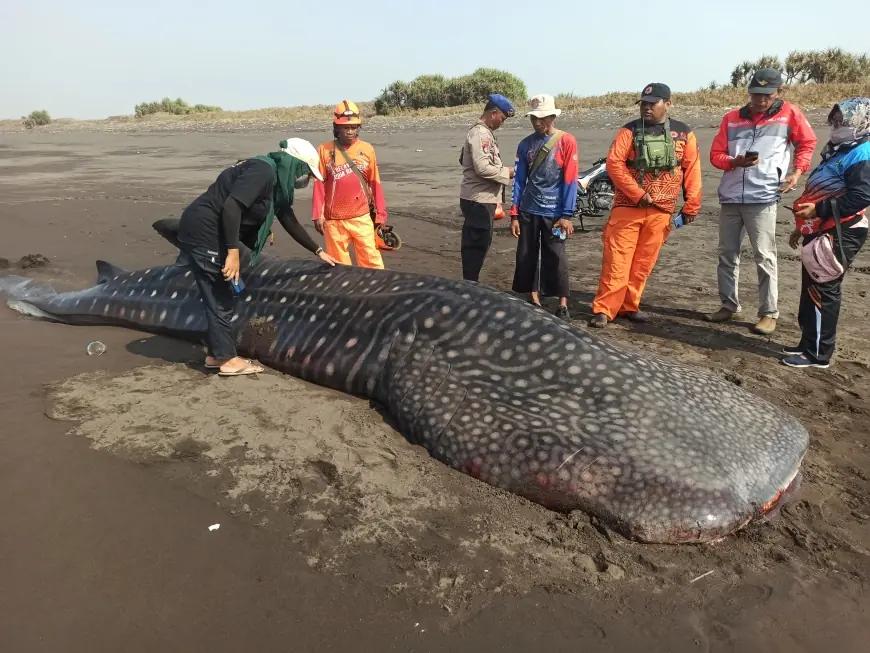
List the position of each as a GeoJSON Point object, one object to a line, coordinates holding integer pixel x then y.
{"type": "Point", "coordinates": [95, 58]}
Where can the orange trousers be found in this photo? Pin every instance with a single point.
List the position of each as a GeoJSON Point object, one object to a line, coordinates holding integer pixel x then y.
{"type": "Point", "coordinates": [360, 231]}
{"type": "Point", "coordinates": [633, 238]}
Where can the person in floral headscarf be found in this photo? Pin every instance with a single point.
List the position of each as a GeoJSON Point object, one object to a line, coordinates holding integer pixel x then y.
{"type": "Point", "coordinates": [830, 215]}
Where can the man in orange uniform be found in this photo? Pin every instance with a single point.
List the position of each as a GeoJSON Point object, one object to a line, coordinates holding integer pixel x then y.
{"type": "Point", "coordinates": [350, 195]}
{"type": "Point", "coordinates": [640, 220]}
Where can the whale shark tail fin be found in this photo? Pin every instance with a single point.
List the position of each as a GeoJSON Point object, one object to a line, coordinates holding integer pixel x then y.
{"type": "Point", "coordinates": [106, 271]}
{"type": "Point", "coordinates": [14, 286]}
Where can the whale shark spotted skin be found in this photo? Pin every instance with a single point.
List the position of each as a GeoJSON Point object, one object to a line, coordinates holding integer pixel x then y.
{"type": "Point", "coordinates": [490, 386]}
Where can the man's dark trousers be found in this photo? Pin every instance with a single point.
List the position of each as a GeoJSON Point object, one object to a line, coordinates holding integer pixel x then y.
{"type": "Point", "coordinates": [476, 236]}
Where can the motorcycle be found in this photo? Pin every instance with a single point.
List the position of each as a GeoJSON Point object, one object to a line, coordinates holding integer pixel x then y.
{"type": "Point", "coordinates": [594, 191]}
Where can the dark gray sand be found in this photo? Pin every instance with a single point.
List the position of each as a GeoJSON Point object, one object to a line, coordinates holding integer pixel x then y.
{"type": "Point", "coordinates": [334, 532]}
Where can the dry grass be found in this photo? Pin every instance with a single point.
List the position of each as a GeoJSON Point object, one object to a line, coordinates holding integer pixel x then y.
{"type": "Point", "coordinates": [308, 113]}
{"type": "Point", "coordinates": [272, 114]}
{"type": "Point", "coordinates": [807, 96]}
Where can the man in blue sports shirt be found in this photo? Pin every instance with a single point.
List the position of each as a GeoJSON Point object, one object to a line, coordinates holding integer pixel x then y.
{"type": "Point", "coordinates": [544, 197]}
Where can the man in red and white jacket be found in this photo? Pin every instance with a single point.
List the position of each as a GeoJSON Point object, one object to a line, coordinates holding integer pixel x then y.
{"type": "Point", "coordinates": [753, 146]}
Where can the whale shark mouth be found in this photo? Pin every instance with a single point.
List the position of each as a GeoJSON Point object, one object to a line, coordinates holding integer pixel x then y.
{"type": "Point", "coordinates": [784, 495]}
{"type": "Point", "coordinates": [31, 310]}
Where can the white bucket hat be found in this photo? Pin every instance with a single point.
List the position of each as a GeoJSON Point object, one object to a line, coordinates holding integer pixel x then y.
{"type": "Point", "coordinates": [543, 106]}
{"type": "Point", "coordinates": [304, 151]}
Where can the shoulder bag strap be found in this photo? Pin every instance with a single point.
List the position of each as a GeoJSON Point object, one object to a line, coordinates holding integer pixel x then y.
{"type": "Point", "coordinates": [359, 176]}
{"type": "Point", "coordinates": [544, 151]}
{"type": "Point", "coordinates": [539, 158]}
{"type": "Point", "coordinates": [355, 169]}
{"type": "Point", "coordinates": [836, 210]}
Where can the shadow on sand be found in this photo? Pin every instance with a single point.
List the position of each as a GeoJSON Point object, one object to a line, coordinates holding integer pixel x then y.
{"type": "Point", "coordinates": [684, 325]}
{"type": "Point", "coordinates": [169, 350]}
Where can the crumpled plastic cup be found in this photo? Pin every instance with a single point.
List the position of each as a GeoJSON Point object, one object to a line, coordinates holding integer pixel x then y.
{"type": "Point", "coordinates": [96, 348]}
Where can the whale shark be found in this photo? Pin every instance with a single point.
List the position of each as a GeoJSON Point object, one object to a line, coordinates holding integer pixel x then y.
{"type": "Point", "coordinates": [489, 385]}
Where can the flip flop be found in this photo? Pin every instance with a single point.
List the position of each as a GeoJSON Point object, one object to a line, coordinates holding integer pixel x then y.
{"type": "Point", "coordinates": [250, 368]}
{"type": "Point", "coordinates": [212, 367]}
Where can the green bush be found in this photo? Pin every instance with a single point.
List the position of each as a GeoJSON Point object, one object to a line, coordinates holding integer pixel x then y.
{"type": "Point", "coordinates": [36, 119]}
{"type": "Point", "coordinates": [177, 107]}
{"type": "Point", "coordinates": [831, 66]}
{"type": "Point", "coordinates": [438, 91]}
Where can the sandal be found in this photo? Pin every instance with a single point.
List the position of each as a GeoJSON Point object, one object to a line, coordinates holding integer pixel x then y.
{"type": "Point", "coordinates": [250, 368]}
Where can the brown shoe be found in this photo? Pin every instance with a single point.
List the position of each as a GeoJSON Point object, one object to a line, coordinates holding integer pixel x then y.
{"type": "Point", "coordinates": [722, 315]}
{"type": "Point", "coordinates": [598, 321]}
{"type": "Point", "coordinates": [765, 326]}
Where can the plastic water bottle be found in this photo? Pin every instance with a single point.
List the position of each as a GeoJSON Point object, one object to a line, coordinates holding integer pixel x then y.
{"type": "Point", "coordinates": [96, 348]}
{"type": "Point", "coordinates": [559, 233]}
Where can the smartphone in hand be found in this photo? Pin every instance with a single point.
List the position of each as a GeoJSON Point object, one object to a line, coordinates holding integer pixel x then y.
{"type": "Point", "coordinates": [751, 155]}
{"type": "Point", "coordinates": [237, 287]}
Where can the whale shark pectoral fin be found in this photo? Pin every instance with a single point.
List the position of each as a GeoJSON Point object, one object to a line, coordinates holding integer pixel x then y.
{"type": "Point", "coordinates": [106, 272]}
{"type": "Point", "coordinates": [168, 228]}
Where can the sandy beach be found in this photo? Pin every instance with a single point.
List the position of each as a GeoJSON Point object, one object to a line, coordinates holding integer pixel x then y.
{"type": "Point", "coordinates": [336, 533]}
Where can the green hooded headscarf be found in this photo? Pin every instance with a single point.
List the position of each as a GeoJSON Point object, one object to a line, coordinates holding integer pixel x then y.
{"type": "Point", "coordinates": [287, 169]}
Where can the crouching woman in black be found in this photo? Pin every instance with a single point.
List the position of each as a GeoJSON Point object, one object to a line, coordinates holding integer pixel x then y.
{"type": "Point", "coordinates": [239, 208]}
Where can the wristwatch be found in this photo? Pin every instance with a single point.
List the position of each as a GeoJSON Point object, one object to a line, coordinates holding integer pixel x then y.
{"type": "Point", "coordinates": [319, 250]}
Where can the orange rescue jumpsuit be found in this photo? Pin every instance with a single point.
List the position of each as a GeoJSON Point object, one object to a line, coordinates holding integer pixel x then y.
{"type": "Point", "coordinates": [343, 201]}
{"type": "Point", "coordinates": [634, 235]}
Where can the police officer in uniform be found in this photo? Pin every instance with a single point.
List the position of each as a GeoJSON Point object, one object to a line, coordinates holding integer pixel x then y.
{"type": "Point", "coordinates": [483, 179]}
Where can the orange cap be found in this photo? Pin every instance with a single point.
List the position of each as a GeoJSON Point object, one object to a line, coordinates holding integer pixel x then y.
{"type": "Point", "coordinates": [346, 113]}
